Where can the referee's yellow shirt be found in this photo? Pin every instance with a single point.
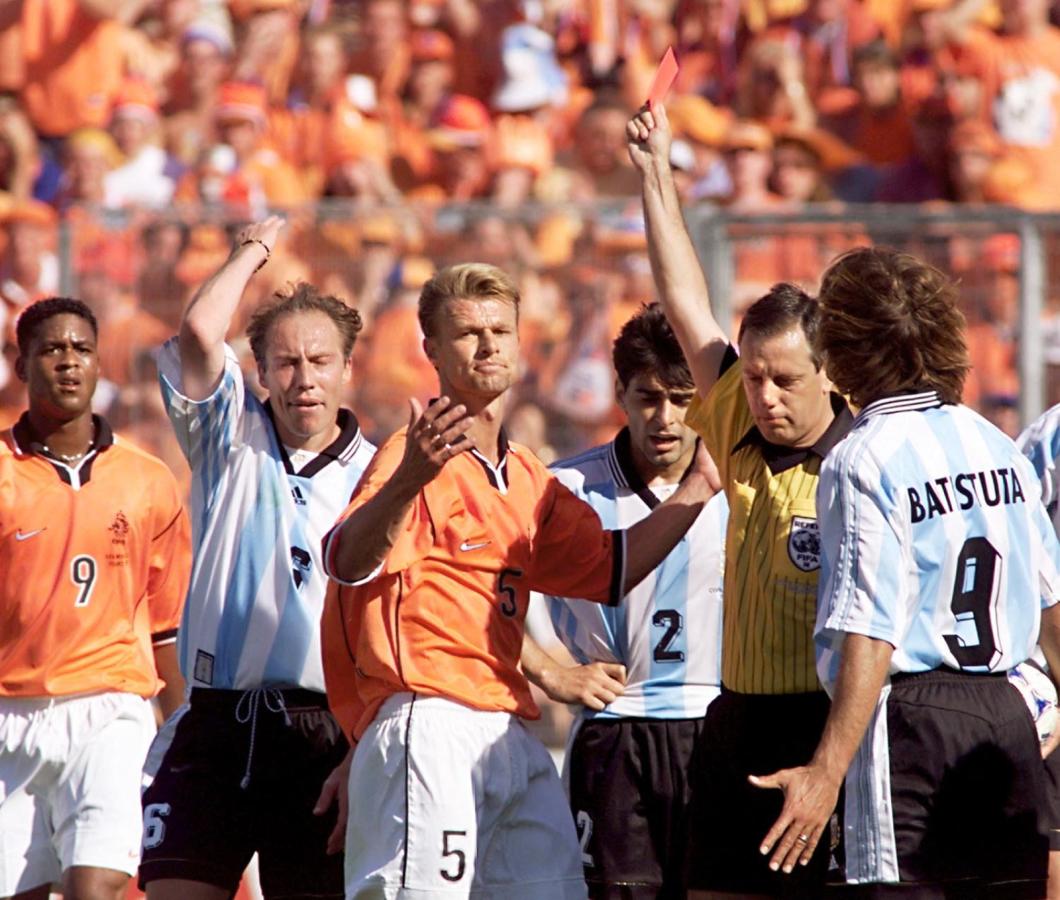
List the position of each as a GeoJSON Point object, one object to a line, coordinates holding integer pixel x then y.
{"type": "Point", "coordinates": [772, 546]}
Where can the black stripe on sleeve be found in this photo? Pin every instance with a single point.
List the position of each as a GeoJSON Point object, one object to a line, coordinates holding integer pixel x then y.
{"type": "Point", "coordinates": [618, 567]}
{"type": "Point", "coordinates": [164, 637]}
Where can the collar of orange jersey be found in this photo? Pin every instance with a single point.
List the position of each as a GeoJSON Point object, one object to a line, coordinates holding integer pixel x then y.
{"type": "Point", "coordinates": [497, 474]}
{"type": "Point", "coordinates": [780, 458]}
{"type": "Point", "coordinates": [28, 441]}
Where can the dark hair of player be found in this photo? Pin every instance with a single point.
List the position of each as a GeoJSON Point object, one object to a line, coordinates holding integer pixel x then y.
{"type": "Point", "coordinates": [302, 297]}
{"type": "Point", "coordinates": [34, 315]}
{"type": "Point", "coordinates": [647, 344]}
{"type": "Point", "coordinates": [780, 310]}
{"type": "Point", "coordinates": [889, 323]}
{"type": "Point", "coordinates": [466, 281]}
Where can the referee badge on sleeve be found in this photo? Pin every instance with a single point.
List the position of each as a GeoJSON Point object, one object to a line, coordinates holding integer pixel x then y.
{"type": "Point", "coordinates": [804, 543]}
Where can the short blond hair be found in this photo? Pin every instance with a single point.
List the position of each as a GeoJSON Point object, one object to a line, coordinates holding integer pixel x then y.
{"type": "Point", "coordinates": [464, 281]}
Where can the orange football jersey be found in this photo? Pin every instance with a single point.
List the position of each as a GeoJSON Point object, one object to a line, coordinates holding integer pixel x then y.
{"type": "Point", "coordinates": [94, 565]}
{"type": "Point", "coordinates": [444, 615]}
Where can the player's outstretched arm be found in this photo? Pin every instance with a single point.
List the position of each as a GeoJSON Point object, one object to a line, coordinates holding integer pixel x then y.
{"type": "Point", "coordinates": [593, 685]}
{"type": "Point", "coordinates": [435, 435]}
{"type": "Point", "coordinates": [654, 536]}
{"type": "Point", "coordinates": [811, 791]}
{"type": "Point", "coordinates": [209, 314]}
{"type": "Point", "coordinates": [679, 279]}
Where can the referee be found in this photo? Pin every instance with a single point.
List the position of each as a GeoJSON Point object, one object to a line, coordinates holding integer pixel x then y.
{"type": "Point", "coordinates": [768, 417]}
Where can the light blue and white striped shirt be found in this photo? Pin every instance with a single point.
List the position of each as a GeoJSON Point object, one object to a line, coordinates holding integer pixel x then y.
{"type": "Point", "coordinates": [1040, 443]}
{"type": "Point", "coordinates": [667, 630]}
{"type": "Point", "coordinates": [932, 539]}
{"type": "Point", "coordinates": [252, 617]}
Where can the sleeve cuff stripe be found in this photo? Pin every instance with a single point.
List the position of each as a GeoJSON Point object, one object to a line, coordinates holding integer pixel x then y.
{"type": "Point", "coordinates": [164, 637]}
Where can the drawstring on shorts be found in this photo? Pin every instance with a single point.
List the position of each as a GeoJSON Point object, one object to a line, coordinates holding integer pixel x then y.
{"type": "Point", "coordinates": [247, 711]}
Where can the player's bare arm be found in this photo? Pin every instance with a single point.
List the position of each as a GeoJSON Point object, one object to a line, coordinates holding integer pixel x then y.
{"type": "Point", "coordinates": [811, 791]}
{"type": "Point", "coordinates": [593, 685]}
{"type": "Point", "coordinates": [209, 314]}
{"type": "Point", "coordinates": [435, 435]}
{"type": "Point", "coordinates": [168, 667]}
{"type": "Point", "coordinates": [679, 279]}
{"type": "Point", "coordinates": [1049, 641]}
{"type": "Point", "coordinates": [652, 538]}
{"type": "Point", "coordinates": [335, 793]}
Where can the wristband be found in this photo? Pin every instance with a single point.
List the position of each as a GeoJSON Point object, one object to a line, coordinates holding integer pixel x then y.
{"type": "Point", "coordinates": [268, 252]}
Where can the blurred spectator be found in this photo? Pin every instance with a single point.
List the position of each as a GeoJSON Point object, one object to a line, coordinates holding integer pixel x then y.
{"type": "Point", "coordinates": [974, 149]}
{"type": "Point", "coordinates": [772, 86]}
{"type": "Point", "coordinates": [599, 161]}
{"type": "Point", "coordinates": [749, 156]}
{"type": "Point", "coordinates": [205, 51]}
{"type": "Point", "coordinates": [20, 162]}
{"type": "Point", "coordinates": [30, 269]}
{"type": "Point", "coordinates": [703, 126]}
{"type": "Point", "coordinates": [710, 40]}
{"type": "Point", "coordinates": [147, 176]}
{"type": "Point", "coordinates": [73, 60]}
{"type": "Point", "coordinates": [160, 291]}
{"type": "Point", "coordinates": [924, 176]}
{"type": "Point", "coordinates": [89, 154]}
{"type": "Point", "coordinates": [461, 137]}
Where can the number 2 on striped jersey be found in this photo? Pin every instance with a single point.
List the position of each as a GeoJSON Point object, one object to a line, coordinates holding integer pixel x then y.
{"type": "Point", "coordinates": [672, 621]}
{"type": "Point", "coordinates": [83, 574]}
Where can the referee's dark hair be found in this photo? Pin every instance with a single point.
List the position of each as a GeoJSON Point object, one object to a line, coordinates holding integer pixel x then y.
{"type": "Point", "coordinates": [34, 315]}
{"type": "Point", "coordinates": [647, 343]}
{"type": "Point", "coordinates": [785, 306]}
{"type": "Point", "coordinates": [890, 323]}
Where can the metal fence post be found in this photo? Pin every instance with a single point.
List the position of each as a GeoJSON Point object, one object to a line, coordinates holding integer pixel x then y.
{"type": "Point", "coordinates": [1032, 303]}
{"type": "Point", "coordinates": [710, 238]}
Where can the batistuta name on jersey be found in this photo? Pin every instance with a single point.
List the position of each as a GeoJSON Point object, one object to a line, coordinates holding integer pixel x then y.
{"type": "Point", "coordinates": [953, 492]}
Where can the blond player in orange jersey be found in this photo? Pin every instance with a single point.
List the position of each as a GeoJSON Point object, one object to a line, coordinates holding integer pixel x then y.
{"type": "Point", "coordinates": [448, 531]}
{"type": "Point", "coordinates": [94, 563]}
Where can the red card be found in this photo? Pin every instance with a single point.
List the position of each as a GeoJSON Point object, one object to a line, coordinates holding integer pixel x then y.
{"type": "Point", "coordinates": [664, 78]}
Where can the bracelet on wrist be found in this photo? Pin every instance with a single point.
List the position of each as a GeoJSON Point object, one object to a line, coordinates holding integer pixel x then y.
{"type": "Point", "coordinates": [268, 251]}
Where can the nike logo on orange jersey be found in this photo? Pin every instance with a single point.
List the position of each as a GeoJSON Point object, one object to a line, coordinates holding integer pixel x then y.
{"type": "Point", "coordinates": [26, 535]}
{"type": "Point", "coordinates": [466, 546]}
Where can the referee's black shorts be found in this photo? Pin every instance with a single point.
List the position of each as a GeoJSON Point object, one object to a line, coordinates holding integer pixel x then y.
{"type": "Point", "coordinates": [629, 794]}
{"type": "Point", "coordinates": [752, 734]}
{"type": "Point", "coordinates": [228, 788]}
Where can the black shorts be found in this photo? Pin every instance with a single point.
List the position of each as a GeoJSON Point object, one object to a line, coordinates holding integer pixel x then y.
{"type": "Point", "coordinates": [969, 801]}
{"type": "Point", "coordinates": [751, 734]}
{"type": "Point", "coordinates": [228, 788]}
{"type": "Point", "coordinates": [629, 793]}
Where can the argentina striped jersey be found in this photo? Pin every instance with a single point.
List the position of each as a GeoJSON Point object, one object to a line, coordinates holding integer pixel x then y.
{"type": "Point", "coordinates": [667, 630]}
{"type": "Point", "coordinates": [932, 539]}
{"type": "Point", "coordinates": [1040, 443]}
{"type": "Point", "coordinates": [252, 616]}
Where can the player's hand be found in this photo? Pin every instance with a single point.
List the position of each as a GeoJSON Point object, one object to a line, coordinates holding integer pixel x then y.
{"type": "Point", "coordinates": [1050, 744]}
{"type": "Point", "coordinates": [593, 685]}
{"type": "Point", "coordinates": [435, 435]}
{"type": "Point", "coordinates": [703, 465]}
{"type": "Point", "coordinates": [810, 796]}
{"type": "Point", "coordinates": [267, 231]}
{"type": "Point", "coordinates": [649, 137]}
{"type": "Point", "coordinates": [336, 792]}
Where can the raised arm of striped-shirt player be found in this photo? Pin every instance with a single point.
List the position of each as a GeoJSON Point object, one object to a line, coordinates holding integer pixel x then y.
{"type": "Point", "coordinates": [209, 314]}
{"type": "Point", "coordinates": [679, 279]}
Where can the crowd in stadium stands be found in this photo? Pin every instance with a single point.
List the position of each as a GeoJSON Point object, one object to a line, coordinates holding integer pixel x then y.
{"type": "Point", "coordinates": [136, 136]}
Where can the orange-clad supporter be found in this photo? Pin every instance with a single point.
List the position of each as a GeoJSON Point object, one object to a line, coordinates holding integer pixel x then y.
{"type": "Point", "coordinates": [152, 49]}
{"type": "Point", "coordinates": [160, 291]}
{"type": "Point", "coordinates": [772, 86]}
{"type": "Point", "coordinates": [20, 160]}
{"type": "Point", "coordinates": [29, 270]}
{"type": "Point", "coordinates": [878, 124]}
{"type": "Point", "coordinates": [1022, 85]}
{"type": "Point", "coordinates": [147, 175]}
{"type": "Point", "coordinates": [476, 27]}
{"type": "Point", "coordinates": [89, 155]}
{"type": "Point", "coordinates": [307, 116]}
{"type": "Point", "coordinates": [711, 39]}
{"type": "Point", "coordinates": [96, 565]}
{"type": "Point", "coordinates": [205, 51]}
{"type": "Point", "coordinates": [974, 149]}
{"type": "Point", "coordinates": [395, 364]}
{"type": "Point", "coordinates": [446, 534]}
{"type": "Point", "coordinates": [245, 159]}
{"type": "Point", "coordinates": [825, 38]}
{"type": "Point", "coordinates": [748, 149]}
{"type": "Point", "coordinates": [383, 51]}
{"type": "Point", "coordinates": [429, 84]}
{"type": "Point", "coordinates": [597, 159]}
{"type": "Point", "coordinates": [923, 177]}
{"type": "Point", "coordinates": [461, 136]}
{"type": "Point", "coordinates": [805, 159]}
{"type": "Point", "coordinates": [702, 127]}
{"type": "Point", "coordinates": [105, 275]}
{"type": "Point", "coordinates": [353, 135]}
{"type": "Point", "coordinates": [73, 59]}
{"type": "Point", "coordinates": [269, 44]}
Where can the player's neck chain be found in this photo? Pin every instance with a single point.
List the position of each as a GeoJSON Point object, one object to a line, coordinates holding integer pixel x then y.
{"type": "Point", "coordinates": [70, 458]}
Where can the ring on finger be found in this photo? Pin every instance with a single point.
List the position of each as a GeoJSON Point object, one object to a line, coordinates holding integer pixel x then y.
{"type": "Point", "coordinates": [803, 838]}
